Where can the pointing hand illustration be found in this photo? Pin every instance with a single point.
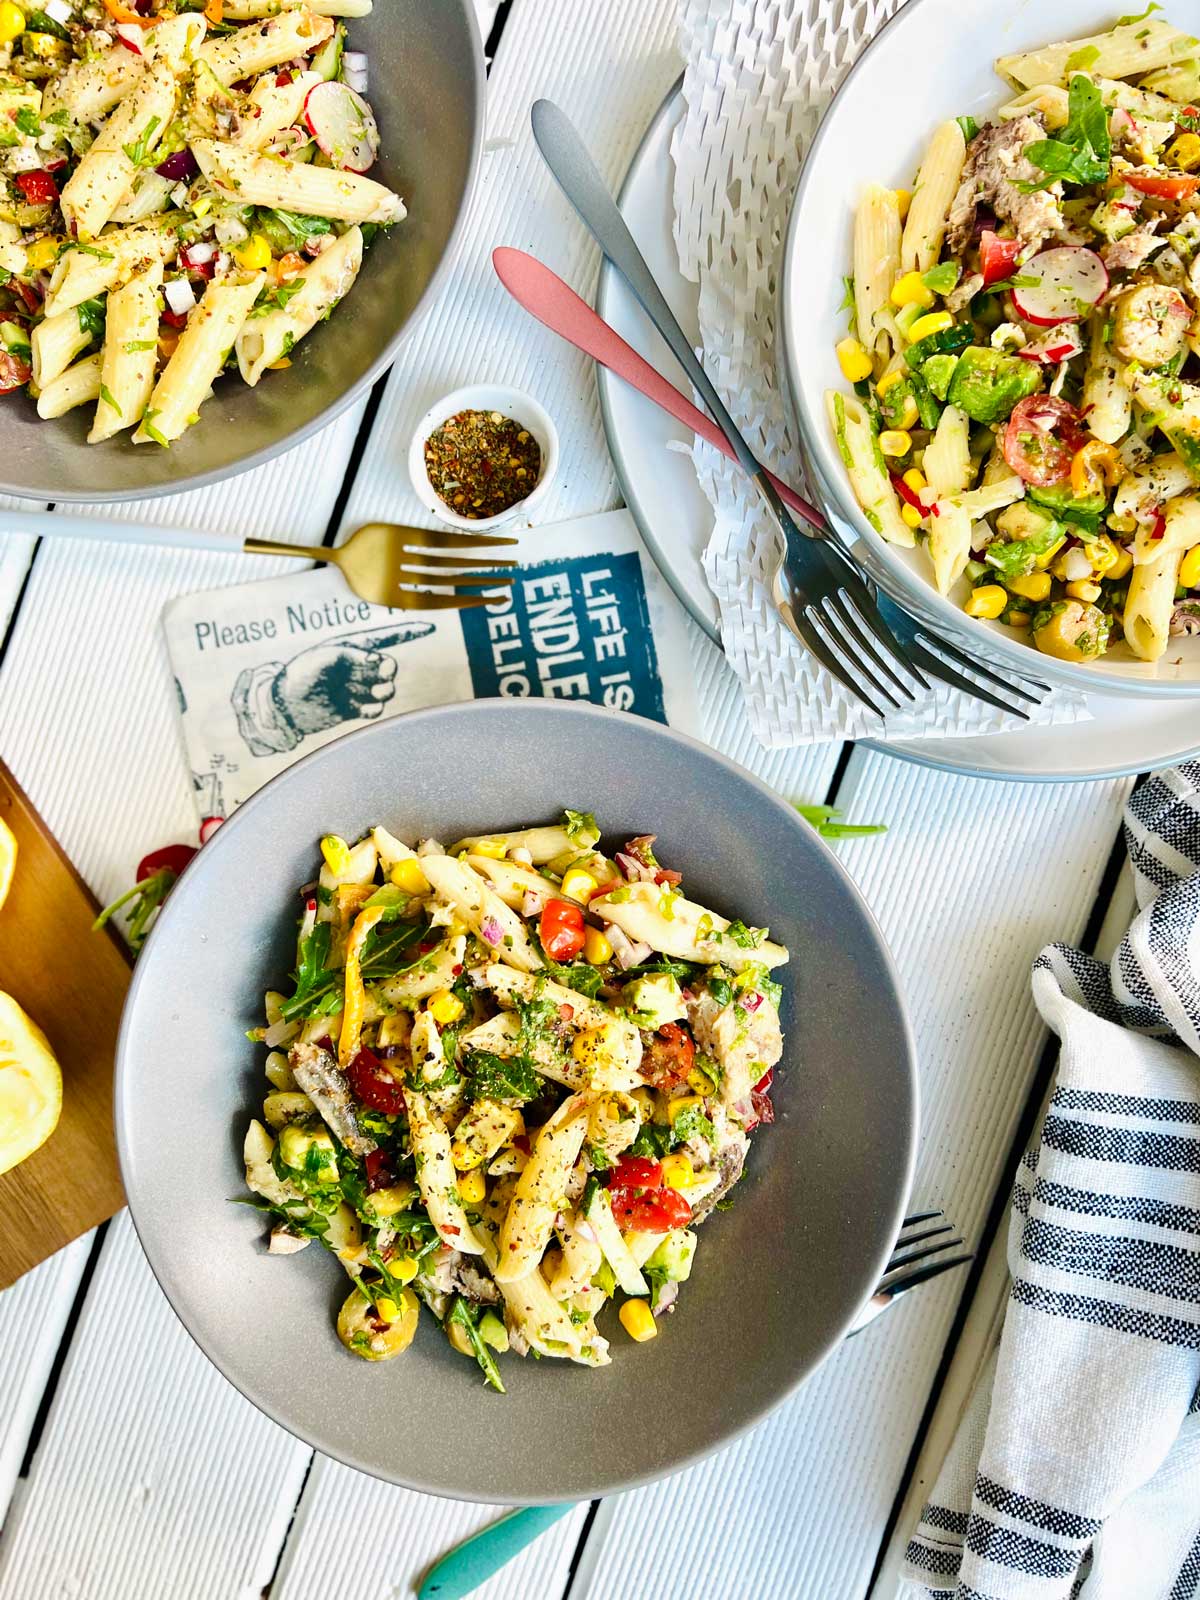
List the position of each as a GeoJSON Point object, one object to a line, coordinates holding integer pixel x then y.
{"type": "Point", "coordinates": [333, 683]}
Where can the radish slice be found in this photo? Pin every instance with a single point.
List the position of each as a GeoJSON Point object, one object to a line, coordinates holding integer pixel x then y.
{"type": "Point", "coordinates": [343, 125]}
{"type": "Point", "coordinates": [1070, 280]}
{"type": "Point", "coordinates": [131, 36]}
{"type": "Point", "coordinates": [1061, 345]}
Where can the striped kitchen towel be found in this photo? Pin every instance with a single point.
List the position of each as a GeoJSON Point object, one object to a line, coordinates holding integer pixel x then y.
{"type": "Point", "coordinates": [1076, 1470]}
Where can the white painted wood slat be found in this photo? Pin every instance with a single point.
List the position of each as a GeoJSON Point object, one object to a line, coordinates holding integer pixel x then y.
{"type": "Point", "coordinates": [972, 879]}
{"type": "Point", "coordinates": [16, 552]}
{"type": "Point", "coordinates": [409, 1532]}
{"type": "Point", "coordinates": [33, 1317]}
{"type": "Point", "coordinates": [148, 1481]}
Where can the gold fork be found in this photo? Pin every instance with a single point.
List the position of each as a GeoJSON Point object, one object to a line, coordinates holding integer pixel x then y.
{"type": "Point", "coordinates": [406, 568]}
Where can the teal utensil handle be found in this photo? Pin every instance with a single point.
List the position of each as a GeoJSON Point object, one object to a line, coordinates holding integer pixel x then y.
{"type": "Point", "coordinates": [482, 1555]}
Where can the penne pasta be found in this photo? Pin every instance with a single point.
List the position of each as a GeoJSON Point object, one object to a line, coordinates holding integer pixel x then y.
{"type": "Point", "coordinates": [456, 885]}
{"type": "Point", "coordinates": [1149, 604]}
{"type": "Point", "coordinates": [296, 185]}
{"type": "Point", "coordinates": [1106, 395]}
{"type": "Point", "coordinates": [529, 1222]}
{"type": "Point", "coordinates": [74, 387]}
{"type": "Point", "coordinates": [252, 10]}
{"type": "Point", "coordinates": [936, 185]}
{"type": "Point", "coordinates": [104, 175]}
{"type": "Point", "coordinates": [270, 107]}
{"type": "Point", "coordinates": [149, 194]}
{"type": "Point", "coordinates": [1130, 48]}
{"type": "Point", "coordinates": [1045, 100]}
{"type": "Point", "coordinates": [130, 353]}
{"type": "Point", "coordinates": [84, 271]}
{"type": "Point", "coordinates": [689, 932]}
{"type": "Point", "coordinates": [859, 450]}
{"type": "Point", "coordinates": [187, 379]}
{"type": "Point", "coordinates": [249, 51]}
{"type": "Point", "coordinates": [436, 1177]}
{"type": "Point", "coordinates": [947, 464]}
{"type": "Point", "coordinates": [313, 293]}
{"type": "Point", "coordinates": [1179, 531]}
{"type": "Point", "coordinates": [55, 343]}
{"type": "Point", "coordinates": [876, 266]}
{"type": "Point", "coordinates": [1140, 493]}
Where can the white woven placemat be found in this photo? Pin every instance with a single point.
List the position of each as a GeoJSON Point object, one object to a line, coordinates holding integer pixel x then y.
{"type": "Point", "coordinates": [759, 74]}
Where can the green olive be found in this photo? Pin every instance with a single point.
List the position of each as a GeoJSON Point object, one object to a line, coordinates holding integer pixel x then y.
{"type": "Point", "coordinates": [1072, 630]}
{"type": "Point", "coordinates": [366, 1331]}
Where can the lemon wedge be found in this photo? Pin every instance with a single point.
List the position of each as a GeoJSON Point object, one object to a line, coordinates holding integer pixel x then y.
{"type": "Point", "coordinates": [30, 1085]}
{"type": "Point", "coordinates": [8, 858]}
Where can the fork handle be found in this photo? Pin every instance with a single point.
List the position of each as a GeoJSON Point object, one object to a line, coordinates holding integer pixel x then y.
{"type": "Point", "coordinates": [271, 547]}
{"type": "Point", "coordinates": [72, 525]}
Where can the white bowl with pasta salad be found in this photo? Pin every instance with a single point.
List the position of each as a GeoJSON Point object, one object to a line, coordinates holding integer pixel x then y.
{"type": "Point", "coordinates": [996, 365]}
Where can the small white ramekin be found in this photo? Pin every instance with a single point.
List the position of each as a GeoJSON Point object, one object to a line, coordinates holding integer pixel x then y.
{"type": "Point", "coordinates": [514, 403]}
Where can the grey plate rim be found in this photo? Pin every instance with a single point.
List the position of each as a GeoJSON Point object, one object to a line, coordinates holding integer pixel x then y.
{"type": "Point", "coordinates": [606, 285]}
{"type": "Point", "coordinates": [201, 480]}
{"type": "Point", "coordinates": [501, 1495]}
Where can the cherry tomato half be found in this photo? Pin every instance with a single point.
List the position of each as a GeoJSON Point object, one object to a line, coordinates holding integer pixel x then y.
{"type": "Point", "coordinates": [997, 256]}
{"type": "Point", "coordinates": [657, 1213]}
{"type": "Point", "coordinates": [38, 187]}
{"type": "Point", "coordinates": [1168, 186]}
{"type": "Point", "coordinates": [1041, 439]}
{"type": "Point", "coordinates": [636, 1172]}
{"type": "Point", "coordinates": [668, 1057]}
{"type": "Point", "coordinates": [561, 930]}
{"type": "Point", "coordinates": [374, 1085]}
{"type": "Point", "coordinates": [13, 372]}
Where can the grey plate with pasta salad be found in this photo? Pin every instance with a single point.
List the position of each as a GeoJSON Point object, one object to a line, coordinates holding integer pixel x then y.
{"type": "Point", "coordinates": [190, 197]}
{"type": "Point", "coordinates": [997, 376]}
{"type": "Point", "coordinates": [479, 1176]}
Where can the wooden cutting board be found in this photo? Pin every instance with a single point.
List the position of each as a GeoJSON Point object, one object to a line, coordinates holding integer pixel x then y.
{"type": "Point", "coordinates": [72, 982]}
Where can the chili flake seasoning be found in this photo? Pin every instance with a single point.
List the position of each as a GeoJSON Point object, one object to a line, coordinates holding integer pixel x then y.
{"type": "Point", "coordinates": [481, 462]}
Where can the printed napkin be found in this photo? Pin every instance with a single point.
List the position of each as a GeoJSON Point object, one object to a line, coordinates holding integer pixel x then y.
{"type": "Point", "coordinates": [1076, 1470]}
{"type": "Point", "coordinates": [268, 671]}
{"type": "Point", "coordinates": [758, 75]}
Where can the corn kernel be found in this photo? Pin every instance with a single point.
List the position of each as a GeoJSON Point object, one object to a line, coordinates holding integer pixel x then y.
{"type": "Point", "coordinates": [923, 327]}
{"type": "Point", "coordinates": [1019, 619]}
{"type": "Point", "coordinates": [1033, 586]}
{"type": "Point", "coordinates": [404, 1270]}
{"type": "Point", "coordinates": [854, 361]}
{"type": "Point", "coordinates": [645, 1101]}
{"type": "Point", "coordinates": [903, 201]}
{"type": "Point", "coordinates": [203, 206]}
{"type": "Point", "coordinates": [915, 479]}
{"type": "Point", "coordinates": [336, 852]}
{"type": "Point", "coordinates": [445, 1007]}
{"type": "Point", "coordinates": [638, 1320]}
{"type": "Point", "coordinates": [1184, 152]}
{"type": "Point", "coordinates": [407, 875]}
{"type": "Point", "coordinates": [579, 885]}
{"type": "Point", "coordinates": [459, 1338]}
{"type": "Point", "coordinates": [1122, 565]}
{"type": "Point", "coordinates": [910, 516]}
{"type": "Point", "coordinates": [1103, 554]}
{"type": "Point", "coordinates": [12, 22]}
{"type": "Point", "coordinates": [910, 415]}
{"type": "Point", "coordinates": [678, 1172]}
{"type": "Point", "coordinates": [494, 849]}
{"type": "Point", "coordinates": [698, 1082]}
{"type": "Point", "coordinates": [472, 1187]}
{"type": "Point", "coordinates": [889, 380]}
{"type": "Point", "coordinates": [680, 1103]}
{"type": "Point", "coordinates": [895, 442]}
{"type": "Point", "coordinates": [987, 602]}
{"type": "Point", "coordinates": [387, 1308]}
{"type": "Point", "coordinates": [1189, 568]}
{"type": "Point", "coordinates": [255, 254]}
{"type": "Point", "coordinates": [41, 254]}
{"type": "Point", "coordinates": [1047, 557]}
{"type": "Point", "coordinates": [281, 365]}
{"type": "Point", "coordinates": [911, 290]}
{"type": "Point", "coordinates": [596, 948]}
{"type": "Point", "coordinates": [1121, 522]}
{"type": "Point", "coordinates": [1084, 589]}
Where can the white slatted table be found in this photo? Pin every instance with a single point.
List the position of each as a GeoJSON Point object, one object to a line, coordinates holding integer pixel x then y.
{"type": "Point", "coordinates": [128, 1467]}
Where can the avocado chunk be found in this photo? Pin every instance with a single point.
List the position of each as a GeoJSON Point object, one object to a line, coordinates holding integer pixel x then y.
{"type": "Point", "coordinates": [658, 999]}
{"type": "Point", "coordinates": [1083, 510]}
{"type": "Point", "coordinates": [673, 1258]}
{"type": "Point", "coordinates": [938, 371]}
{"type": "Point", "coordinates": [987, 384]}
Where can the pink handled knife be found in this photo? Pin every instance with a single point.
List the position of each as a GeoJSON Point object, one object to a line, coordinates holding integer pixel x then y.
{"type": "Point", "coordinates": [555, 304]}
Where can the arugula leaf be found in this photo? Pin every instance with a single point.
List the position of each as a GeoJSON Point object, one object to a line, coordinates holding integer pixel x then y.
{"type": "Point", "coordinates": [682, 971]}
{"type": "Point", "coordinates": [580, 976]}
{"type": "Point", "coordinates": [91, 314]}
{"type": "Point", "coordinates": [745, 938]}
{"type": "Point", "coordinates": [138, 151]}
{"type": "Point", "coordinates": [312, 977]}
{"type": "Point", "coordinates": [288, 229]}
{"type": "Point", "coordinates": [277, 298]}
{"type": "Point", "coordinates": [654, 1140]}
{"type": "Point", "coordinates": [512, 1079]}
{"type": "Point", "coordinates": [1082, 151]}
{"type": "Point", "coordinates": [463, 1317]}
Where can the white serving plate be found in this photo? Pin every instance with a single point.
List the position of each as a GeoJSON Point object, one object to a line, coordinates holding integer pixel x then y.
{"type": "Point", "coordinates": [649, 449]}
{"type": "Point", "coordinates": [932, 61]}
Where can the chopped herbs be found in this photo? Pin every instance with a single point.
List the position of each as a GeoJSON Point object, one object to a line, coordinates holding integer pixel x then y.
{"type": "Point", "coordinates": [1081, 152]}
{"type": "Point", "coordinates": [691, 1123]}
{"type": "Point", "coordinates": [510, 1079]}
{"type": "Point", "coordinates": [133, 346]}
{"type": "Point", "coordinates": [969, 127]}
{"type": "Point", "coordinates": [825, 820]}
{"type": "Point", "coordinates": [139, 151]}
{"type": "Point", "coordinates": [107, 397]}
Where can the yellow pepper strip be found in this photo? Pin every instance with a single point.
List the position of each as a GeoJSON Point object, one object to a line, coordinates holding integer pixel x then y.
{"type": "Point", "coordinates": [1095, 465]}
{"type": "Point", "coordinates": [12, 22]}
{"type": "Point", "coordinates": [1189, 568]}
{"type": "Point", "coordinates": [356, 995]}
